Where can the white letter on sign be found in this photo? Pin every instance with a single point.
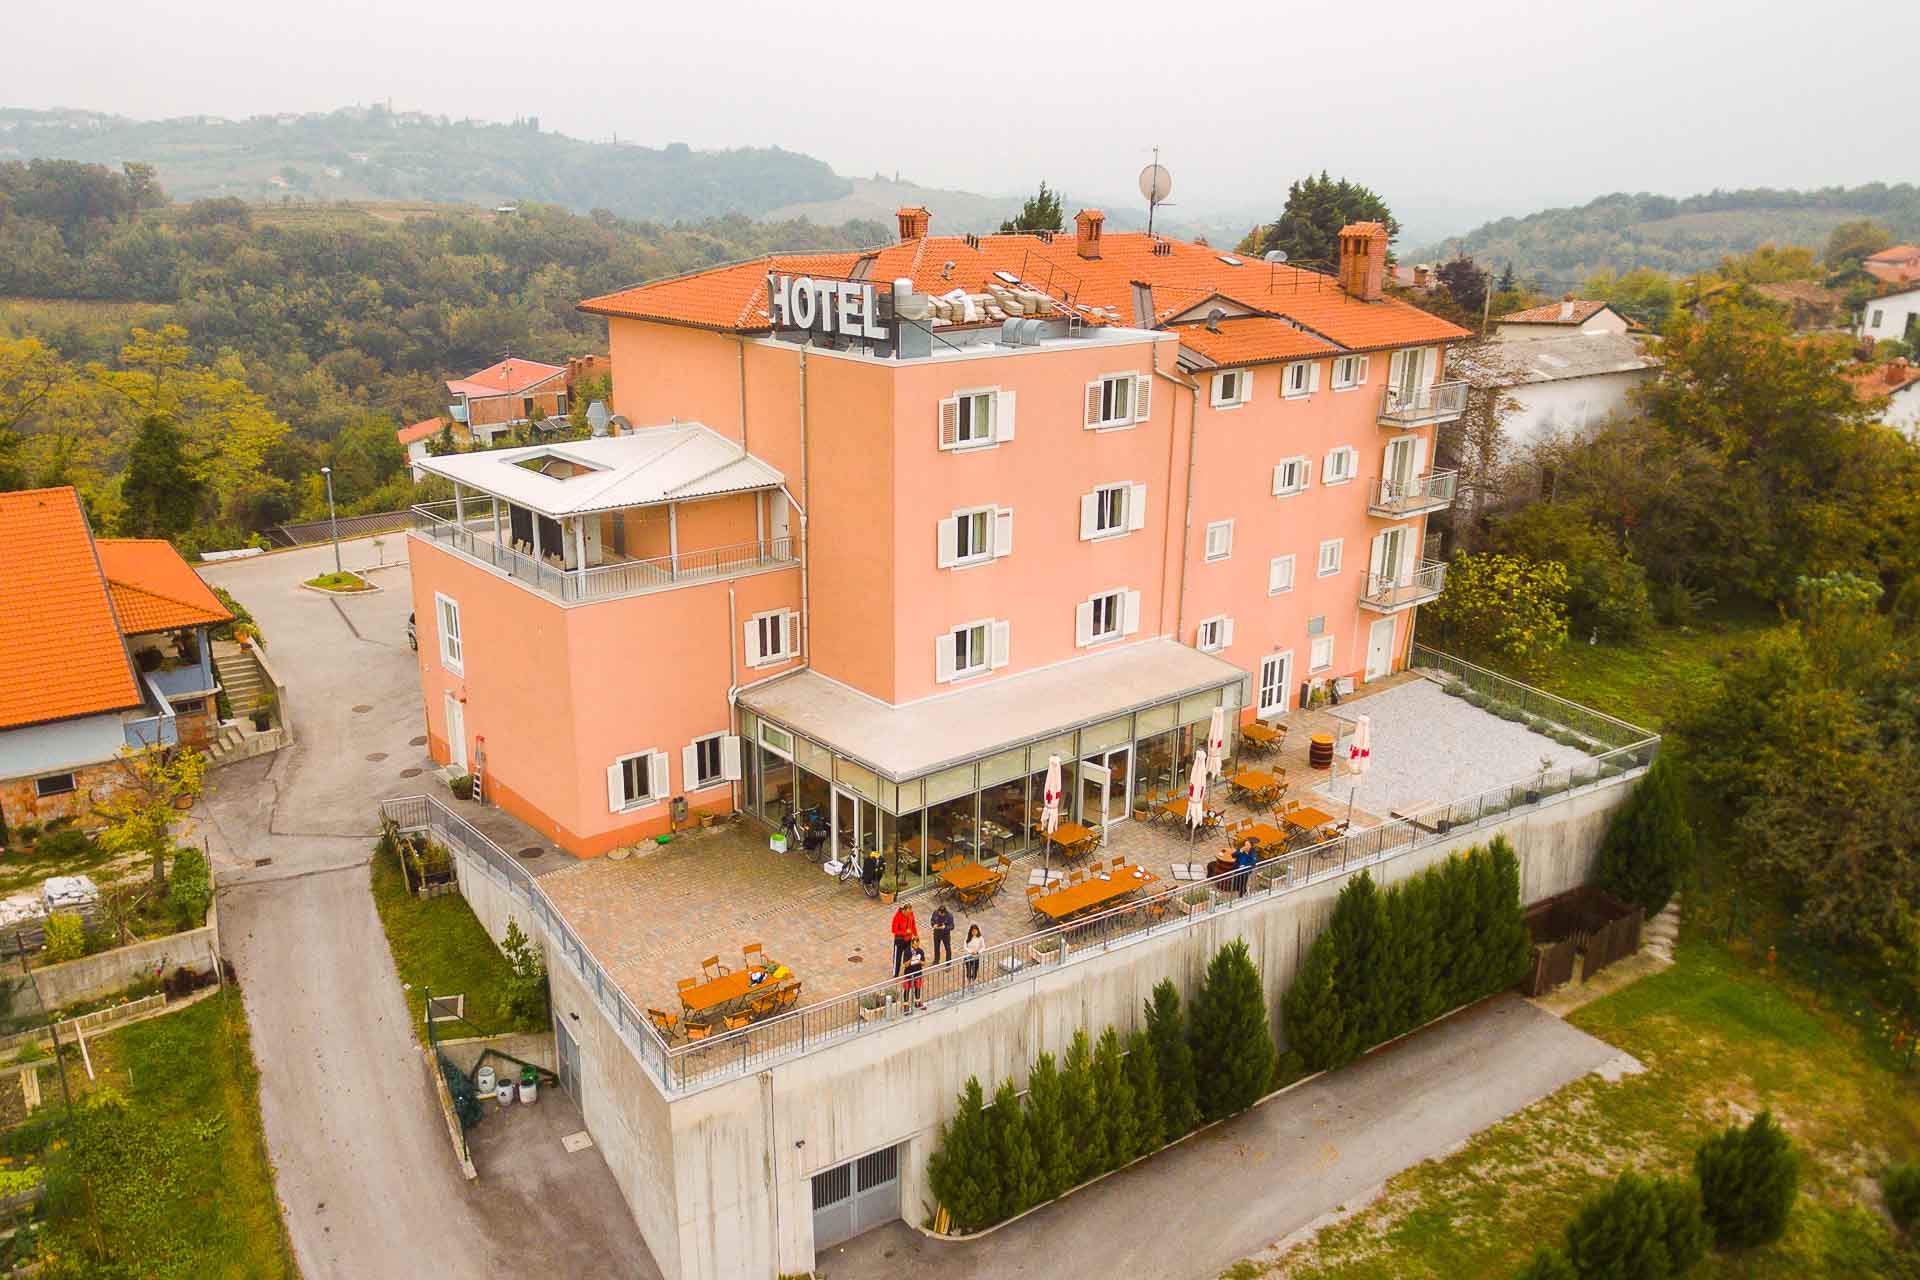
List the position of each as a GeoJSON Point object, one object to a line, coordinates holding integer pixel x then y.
{"type": "Point", "coordinates": [780, 294]}
{"type": "Point", "coordinates": [800, 303]}
{"type": "Point", "coordinates": [849, 314]}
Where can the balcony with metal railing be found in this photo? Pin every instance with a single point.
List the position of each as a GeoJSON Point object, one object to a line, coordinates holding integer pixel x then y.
{"type": "Point", "coordinates": [1442, 402]}
{"type": "Point", "coordinates": [477, 537]}
{"type": "Point", "coordinates": [1392, 592]}
{"type": "Point", "coordinates": [1391, 499]}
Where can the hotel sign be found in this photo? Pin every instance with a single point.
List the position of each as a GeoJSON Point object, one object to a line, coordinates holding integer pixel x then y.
{"type": "Point", "coordinates": [848, 309]}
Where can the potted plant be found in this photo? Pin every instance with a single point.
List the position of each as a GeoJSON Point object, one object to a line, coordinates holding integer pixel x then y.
{"type": "Point", "coordinates": [262, 713]}
{"type": "Point", "coordinates": [243, 634]}
{"type": "Point", "coordinates": [889, 884]}
{"type": "Point", "coordinates": [462, 787]}
{"type": "Point", "coordinates": [1044, 951]}
{"type": "Point", "coordinates": [1194, 900]}
{"type": "Point", "coordinates": [873, 1006]}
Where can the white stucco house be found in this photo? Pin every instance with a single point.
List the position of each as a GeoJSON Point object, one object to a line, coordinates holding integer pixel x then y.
{"type": "Point", "coordinates": [1888, 315]}
{"type": "Point", "coordinates": [1568, 366]}
{"type": "Point", "coordinates": [1899, 382]}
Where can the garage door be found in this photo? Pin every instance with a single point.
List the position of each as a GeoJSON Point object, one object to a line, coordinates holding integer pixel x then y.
{"type": "Point", "coordinates": [855, 1197]}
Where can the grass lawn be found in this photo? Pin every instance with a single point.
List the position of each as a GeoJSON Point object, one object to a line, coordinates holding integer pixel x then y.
{"type": "Point", "coordinates": [1719, 1039]}
{"type": "Point", "coordinates": [179, 1182]}
{"type": "Point", "coordinates": [439, 945]}
{"type": "Point", "coordinates": [340, 582]}
{"type": "Point", "coordinates": [24, 867]}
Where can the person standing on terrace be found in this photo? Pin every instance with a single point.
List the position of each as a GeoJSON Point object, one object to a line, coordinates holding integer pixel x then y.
{"type": "Point", "coordinates": [906, 932]}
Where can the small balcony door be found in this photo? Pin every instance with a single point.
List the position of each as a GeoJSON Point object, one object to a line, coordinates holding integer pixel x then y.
{"type": "Point", "coordinates": [1402, 466]}
{"type": "Point", "coordinates": [456, 733]}
{"type": "Point", "coordinates": [1392, 562]}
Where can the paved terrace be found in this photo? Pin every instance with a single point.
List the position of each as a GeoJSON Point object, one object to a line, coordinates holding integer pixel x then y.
{"type": "Point", "coordinates": [651, 916]}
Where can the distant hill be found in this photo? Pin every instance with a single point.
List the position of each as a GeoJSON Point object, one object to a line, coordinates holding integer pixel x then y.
{"type": "Point", "coordinates": [371, 153]}
{"type": "Point", "coordinates": [1558, 249]}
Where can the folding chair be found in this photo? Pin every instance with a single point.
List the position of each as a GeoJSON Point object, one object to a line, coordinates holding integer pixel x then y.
{"type": "Point", "coordinates": [667, 1024]}
{"type": "Point", "coordinates": [712, 968]}
{"type": "Point", "coordinates": [787, 997]}
{"type": "Point", "coordinates": [698, 1030]}
{"type": "Point", "coordinates": [685, 985]}
{"type": "Point", "coordinates": [735, 1021]}
{"type": "Point", "coordinates": [753, 954]}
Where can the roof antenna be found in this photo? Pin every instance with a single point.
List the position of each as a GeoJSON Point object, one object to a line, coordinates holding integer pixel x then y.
{"type": "Point", "coordinates": [1156, 184]}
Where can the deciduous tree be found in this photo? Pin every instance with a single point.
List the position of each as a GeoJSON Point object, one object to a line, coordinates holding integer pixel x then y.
{"type": "Point", "coordinates": [1507, 608]}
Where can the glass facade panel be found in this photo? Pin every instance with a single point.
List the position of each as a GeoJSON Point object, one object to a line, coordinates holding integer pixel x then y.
{"type": "Point", "coordinates": [749, 724]}
{"type": "Point", "coordinates": [1155, 720]}
{"type": "Point", "coordinates": [949, 783]}
{"type": "Point", "coordinates": [812, 795]}
{"type": "Point", "coordinates": [1007, 764]}
{"type": "Point", "coordinates": [950, 826]}
{"type": "Point", "coordinates": [910, 793]}
{"type": "Point", "coordinates": [1003, 820]}
{"type": "Point", "coordinates": [856, 778]}
{"type": "Point", "coordinates": [1198, 706]}
{"type": "Point", "coordinates": [1234, 696]}
{"type": "Point", "coordinates": [776, 785]}
{"type": "Point", "coordinates": [900, 840]}
{"type": "Point", "coordinates": [1155, 769]}
{"type": "Point", "coordinates": [1037, 754]}
{"type": "Point", "coordinates": [1108, 733]}
{"type": "Point", "coordinates": [811, 755]}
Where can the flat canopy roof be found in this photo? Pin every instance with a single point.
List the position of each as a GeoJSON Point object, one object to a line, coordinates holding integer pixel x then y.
{"type": "Point", "coordinates": [642, 468]}
{"type": "Point", "coordinates": [908, 741]}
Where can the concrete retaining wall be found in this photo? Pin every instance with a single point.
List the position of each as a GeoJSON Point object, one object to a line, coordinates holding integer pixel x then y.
{"type": "Point", "coordinates": [111, 971]}
{"type": "Point", "coordinates": [528, 1046]}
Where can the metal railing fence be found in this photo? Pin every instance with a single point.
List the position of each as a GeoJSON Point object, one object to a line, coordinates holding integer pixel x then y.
{"type": "Point", "coordinates": [1391, 591]}
{"type": "Point", "coordinates": [1602, 728]}
{"type": "Point", "coordinates": [1442, 400]}
{"type": "Point", "coordinates": [1433, 490]}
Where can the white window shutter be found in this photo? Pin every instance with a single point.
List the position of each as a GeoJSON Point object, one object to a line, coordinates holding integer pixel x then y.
{"type": "Point", "coordinates": [948, 542]}
{"type": "Point", "coordinates": [1306, 474]}
{"type": "Point", "coordinates": [1083, 623]}
{"type": "Point", "coordinates": [1213, 389]}
{"type": "Point", "coordinates": [1226, 633]}
{"type": "Point", "coordinates": [1378, 560]}
{"type": "Point", "coordinates": [730, 757]}
{"type": "Point", "coordinates": [1276, 574]}
{"type": "Point", "coordinates": [689, 766]}
{"type": "Point", "coordinates": [1246, 385]}
{"type": "Point", "coordinates": [1327, 468]}
{"type": "Point", "coordinates": [1419, 456]}
{"type": "Point", "coordinates": [752, 645]}
{"type": "Point", "coordinates": [1003, 416]}
{"type": "Point", "coordinates": [1136, 507]}
{"type": "Point", "coordinates": [1089, 514]}
{"type": "Point", "coordinates": [949, 423]}
{"type": "Point", "coordinates": [616, 789]}
{"type": "Point", "coordinates": [1313, 377]}
{"type": "Point", "coordinates": [943, 659]}
{"type": "Point", "coordinates": [792, 623]}
{"type": "Point", "coordinates": [1396, 369]}
{"type": "Point", "coordinates": [1142, 397]}
{"type": "Point", "coordinates": [658, 781]}
{"type": "Point", "coordinates": [1130, 622]}
{"type": "Point", "coordinates": [1279, 479]}
{"type": "Point", "coordinates": [1361, 367]}
{"type": "Point", "coordinates": [1002, 532]}
{"type": "Point", "coordinates": [1002, 644]}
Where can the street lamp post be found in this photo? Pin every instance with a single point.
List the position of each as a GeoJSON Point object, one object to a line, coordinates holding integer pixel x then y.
{"type": "Point", "coordinates": [333, 521]}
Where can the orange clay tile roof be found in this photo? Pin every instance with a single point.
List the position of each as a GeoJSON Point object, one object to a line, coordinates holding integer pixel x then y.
{"type": "Point", "coordinates": [154, 589]}
{"type": "Point", "coordinates": [1250, 340]}
{"type": "Point", "coordinates": [61, 653]}
{"type": "Point", "coordinates": [504, 379]}
{"type": "Point", "coordinates": [733, 298]}
{"type": "Point", "coordinates": [1578, 311]}
{"type": "Point", "coordinates": [1896, 253]}
{"type": "Point", "coordinates": [418, 431]}
{"type": "Point", "coordinates": [1870, 382]}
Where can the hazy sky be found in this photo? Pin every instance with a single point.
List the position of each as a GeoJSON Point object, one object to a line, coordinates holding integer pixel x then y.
{"type": "Point", "coordinates": [1453, 111]}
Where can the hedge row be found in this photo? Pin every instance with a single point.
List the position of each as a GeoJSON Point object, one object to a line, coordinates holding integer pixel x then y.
{"type": "Point", "coordinates": [1391, 961]}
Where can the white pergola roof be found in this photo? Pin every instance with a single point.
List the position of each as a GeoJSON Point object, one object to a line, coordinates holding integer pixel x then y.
{"type": "Point", "coordinates": [646, 467]}
{"type": "Point", "coordinates": [907, 741]}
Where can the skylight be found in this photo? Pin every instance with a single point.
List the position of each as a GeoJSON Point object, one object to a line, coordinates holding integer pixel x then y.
{"type": "Point", "coordinates": [1229, 259]}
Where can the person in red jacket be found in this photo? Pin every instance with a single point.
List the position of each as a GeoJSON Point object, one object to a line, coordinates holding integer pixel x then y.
{"type": "Point", "coordinates": [906, 932]}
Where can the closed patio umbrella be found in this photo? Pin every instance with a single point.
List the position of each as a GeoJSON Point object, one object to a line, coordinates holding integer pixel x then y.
{"type": "Point", "coordinates": [1049, 815]}
{"type": "Point", "coordinates": [1217, 741]}
{"type": "Point", "coordinates": [1196, 795]}
{"type": "Point", "coordinates": [1359, 757]}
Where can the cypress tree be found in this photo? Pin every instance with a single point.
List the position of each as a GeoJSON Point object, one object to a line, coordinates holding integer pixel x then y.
{"type": "Point", "coordinates": [1748, 1179]}
{"type": "Point", "coordinates": [1507, 945]}
{"type": "Point", "coordinates": [1457, 944]}
{"type": "Point", "coordinates": [1143, 1074]}
{"type": "Point", "coordinates": [1114, 1094]}
{"type": "Point", "coordinates": [1621, 1231]}
{"type": "Point", "coordinates": [1012, 1151]}
{"type": "Point", "coordinates": [1080, 1114]}
{"type": "Point", "coordinates": [1232, 1043]}
{"type": "Point", "coordinates": [1173, 1059]}
{"type": "Point", "coordinates": [1359, 929]}
{"type": "Point", "coordinates": [962, 1171]}
{"type": "Point", "coordinates": [1549, 1264]}
{"type": "Point", "coordinates": [1410, 944]}
{"type": "Point", "coordinates": [1046, 1130]}
{"type": "Point", "coordinates": [1684, 1232]}
{"type": "Point", "coordinates": [1649, 844]}
{"type": "Point", "coordinates": [1315, 1019]}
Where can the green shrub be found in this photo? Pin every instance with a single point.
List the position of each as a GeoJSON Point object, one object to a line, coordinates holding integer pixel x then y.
{"type": "Point", "coordinates": [1011, 1147]}
{"type": "Point", "coordinates": [1052, 1145]}
{"type": "Point", "coordinates": [1507, 711]}
{"type": "Point", "coordinates": [1687, 1235]}
{"type": "Point", "coordinates": [189, 888]}
{"type": "Point", "coordinates": [1361, 975]}
{"type": "Point", "coordinates": [462, 787]}
{"type": "Point", "coordinates": [1455, 688]}
{"type": "Point", "coordinates": [1232, 1042]}
{"type": "Point", "coordinates": [1900, 1187]}
{"type": "Point", "coordinates": [1623, 1232]}
{"type": "Point", "coordinates": [1115, 1092]}
{"type": "Point", "coordinates": [1173, 1060]}
{"type": "Point", "coordinates": [1476, 699]}
{"type": "Point", "coordinates": [1143, 1077]}
{"type": "Point", "coordinates": [961, 1170]}
{"type": "Point", "coordinates": [30, 1052]}
{"type": "Point", "coordinates": [1081, 1114]}
{"type": "Point", "coordinates": [241, 618]}
{"type": "Point", "coordinates": [1649, 844]}
{"type": "Point", "coordinates": [66, 937]}
{"type": "Point", "coordinates": [1313, 1014]}
{"type": "Point", "coordinates": [526, 991]}
{"type": "Point", "coordinates": [1748, 1178]}
{"type": "Point", "coordinates": [29, 832]}
{"type": "Point", "coordinates": [1548, 1264]}
{"type": "Point", "coordinates": [65, 845]}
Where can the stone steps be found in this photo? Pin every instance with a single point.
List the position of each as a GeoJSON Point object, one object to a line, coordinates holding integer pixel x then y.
{"type": "Point", "coordinates": [1663, 931]}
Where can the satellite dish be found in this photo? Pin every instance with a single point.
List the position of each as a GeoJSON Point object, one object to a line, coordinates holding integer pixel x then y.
{"type": "Point", "coordinates": [1156, 184]}
{"type": "Point", "coordinates": [1276, 255]}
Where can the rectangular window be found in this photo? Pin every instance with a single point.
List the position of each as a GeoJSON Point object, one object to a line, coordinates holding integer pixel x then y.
{"type": "Point", "coordinates": [970, 649]}
{"type": "Point", "coordinates": [976, 418]}
{"type": "Point", "coordinates": [452, 653]}
{"type": "Point", "coordinates": [1232, 388]}
{"type": "Point", "coordinates": [1116, 400]}
{"type": "Point", "coordinates": [1220, 540]}
{"type": "Point", "coordinates": [1330, 557]}
{"type": "Point", "coordinates": [526, 407]}
{"type": "Point", "coordinates": [1322, 655]}
{"type": "Point", "coordinates": [772, 637]}
{"type": "Point", "coordinates": [1349, 372]}
{"type": "Point", "coordinates": [1107, 614]}
{"type": "Point", "coordinates": [637, 776]}
{"type": "Point", "coordinates": [1214, 634]}
{"type": "Point", "coordinates": [705, 757]}
{"type": "Point", "coordinates": [1290, 476]}
{"type": "Point", "coordinates": [1110, 509]}
{"type": "Point", "coordinates": [560, 404]}
{"type": "Point", "coordinates": [1276, 673]}
{"type": "Point", "coordinates": [54, 784]}
{"type": "Point", "coordinates": [1879, 317]}
{"type": "Point", "coordinates": [973, 535]}
{"type": "Point", "coordinates": [1339, 466]}
{"type": "Point", "coordinates": [1300, 378]}
{"type": "Point", "coordinates": [1279, 575]}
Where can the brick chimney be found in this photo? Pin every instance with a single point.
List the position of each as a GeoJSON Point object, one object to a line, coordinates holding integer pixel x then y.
{"type": "Point", "coordinates": [914, 222]}
{"type": "Point", "coordinates": [1363, 259]}
{"type": "Point", "coordinates": [1420, 275]}
{"type": "Point", "coordinates": [1086, 232]}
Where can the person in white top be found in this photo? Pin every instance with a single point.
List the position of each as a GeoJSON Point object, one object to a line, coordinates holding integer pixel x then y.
{"type": "Point", "coordinates": [973, 948]}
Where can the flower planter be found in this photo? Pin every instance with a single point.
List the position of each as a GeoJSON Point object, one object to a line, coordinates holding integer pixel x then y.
{"type": "Point", "coordinates": [872, 1013]}
{"type": "Point", "coordinates": [1191, 908]}
{"type": "Point", "coordinates": [1043, 955]}
{"type": "Point", "coordinates": [887, 896]}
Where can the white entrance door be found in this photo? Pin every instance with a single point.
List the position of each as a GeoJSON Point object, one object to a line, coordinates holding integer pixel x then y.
{"type": "Point", "coordinates": [846, 825]}
{"type": "Point", "coordinates": [456, 733]}
{"type": "Point", "coordinates": [1276, 674]}
{"type": "Point", "coordinates": [1096, 784]}
{"type": "Point", "coordinates": [1380, 649]}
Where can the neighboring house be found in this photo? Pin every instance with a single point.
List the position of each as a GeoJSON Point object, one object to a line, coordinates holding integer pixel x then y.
{"type": "Point", "coordinates": [1890, 315]}
{"type": "Point", "coordinates": [588, 609]}
{"type": "Point", "coordinates": [515, 391]}
{"type": "Point", "coordinates": [1899, 382]}
{"type": "Point", "coordinates": [105, 647]}
{"type": "Point", "coordinates": [1810, 306]}
{"type": "Point", "coordinates": [1898, 265]}
{"type": "Point", "coordinates": [1567, 367]}
{"type": "Point", "coordinates": [414, 438]}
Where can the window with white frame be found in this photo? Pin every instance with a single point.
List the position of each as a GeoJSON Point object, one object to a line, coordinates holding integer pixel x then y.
{"type": "Point", "coordinates": [452, 652]}
{"type": "Point", "coordinates": [1232, 388]}
{"type": "Point", "coordinates": [1108, 611]}
{"type": "Point", "coordinates": [1330, 556]}
{"type": "Point", "coordinates": [1279, 575]}
{"type": "Point", "coordinates": [1106, 616]}
{"type": "Point", "coordinates": [1117, 400]}
{"type": "Point", "coordinates": [974, 535]}
{"type": "Point", "coordinates": [1340, 465]}
{"type": "Point", "coordinates": [1321, 657]}
{"type": "Point", "coordinates": [772, 636]}
{"type": "Point", "coordinates": [1276, 674]}
{"type": "Point", "coordinates": [1879, 318]}
{"type": "Point", "coordinates": [1220, 540]}
{"type": "Point", "coordinates": [702, 763]}
{"type": "Point", "coordinates": [1214, 634]}
{"type": "Point", "coordinates": [975, 419]}
{"type": "Point", "coordinates": [638, 780]}
{"type": "Point", "coordinates": [1290, 476]}
{"type": "Point", "coordinates": [1349, 372]}
{"type": "Point", "coordinates": [972, 648]}
{"type": "Point", "coordinates": [1111, 510]}
{"type": "Point", "coordinates": [1301, 378]}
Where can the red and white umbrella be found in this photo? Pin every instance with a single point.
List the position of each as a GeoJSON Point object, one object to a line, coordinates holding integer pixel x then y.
{"type": "Point", "coordinates": [1217, 741]}
{"type": "Point", "coordinates": [1359, 757]}
{"type": "Point", "coordinates": [1049, 815]}
{"type": "Point", "coordinates": [1197, 790]}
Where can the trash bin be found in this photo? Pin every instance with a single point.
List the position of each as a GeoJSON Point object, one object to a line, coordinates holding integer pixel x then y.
{"type": "Point", "coordinates": [484, 1081]}
{"type": "Point", "coordinates": [529, 1086]}
{"type": "Point", "coordinates": [504, 1093]}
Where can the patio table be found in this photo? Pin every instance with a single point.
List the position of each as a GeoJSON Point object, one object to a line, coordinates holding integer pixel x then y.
{"type": "Point", "coordinates": [723, 990]}
{"type": "Point", "coordinates": [1094, 892]}
{"type": "Point", "coordinates": [1177, 808]}
{"type": "Point", "coordinates": [1267, 835]}
{"type": "Point", "coordinates": [1257, 784]}
{"type": "Point", "coordinates": [961, 876]}
{"type": "Point", "coordinates": [1260, 735]}
{"type": "Point", "coordinates": [1307, 819]}
{"type": "Point", "coordinates": [1072, 839]}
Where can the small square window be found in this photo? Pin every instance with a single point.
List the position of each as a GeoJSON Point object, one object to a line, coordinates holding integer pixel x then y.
{"type": "Point", "coordinates": [1330, 557]}
{"type": "Point", "coordinates": [973, 535]}
{"type": "Point", "coordinates": [970, 649]}
{"type": "Point", "coordinates": [1107, 614]}
{"type": "Point", "coordinates": [1220, 540]}
{"type": "Point", "coordinates": [1340, 465]}
{"type": "Point", "coordinates": [1214, 635]}
{"type": "Point", "coordinates": [1279, 575]}
{"type": "Point", "coordinates": [1299, 379]}
{"type": "Point", "coordinates": [636, 780]}
{"type": "Point", "coordinates": [1290, 476]}
{"type": "Point", "coordinates": [1321, 658]}
{"type": "Point", "coordinates": [1110, 509]}
{"type": "Point", "coordinates": [976, 418]}
{"type": "Point", "coordinates": [54, 784]}
{"type": "Point", "coordinates": [1230, 388]}
{"type": "Point", "coordinates": [1349, 372]}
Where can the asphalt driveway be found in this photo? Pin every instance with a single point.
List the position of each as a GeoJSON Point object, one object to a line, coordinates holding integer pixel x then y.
{"type": "Point", "coordinates": [364, 1168]}
{"type": "Point", "coordinates": [1241, 1186]}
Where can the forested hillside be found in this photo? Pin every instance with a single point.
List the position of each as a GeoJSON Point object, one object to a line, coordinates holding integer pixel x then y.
{"type": "Point", "coordinates": [1558, 249]}
{"type": "Point", "coordinates": [372, 153]}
